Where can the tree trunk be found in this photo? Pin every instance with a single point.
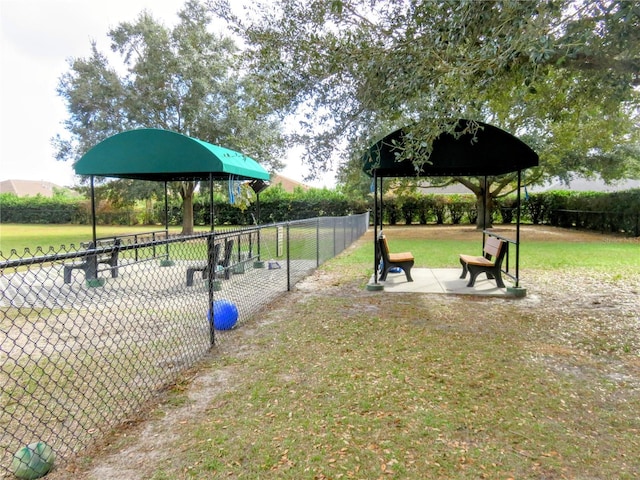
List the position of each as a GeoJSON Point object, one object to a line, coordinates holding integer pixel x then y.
{"type": "Point", "coordinates": [148, 216]}
{"type": "Point", "coordinates": [186, 192]}
{"type": "Point", "coordinates": [484, 208]}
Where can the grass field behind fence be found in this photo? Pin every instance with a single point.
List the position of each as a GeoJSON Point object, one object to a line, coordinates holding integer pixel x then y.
{"type": "Point", "coordinates": [432, 253]}
{"type": "Point", "coordinates": [19, 237]}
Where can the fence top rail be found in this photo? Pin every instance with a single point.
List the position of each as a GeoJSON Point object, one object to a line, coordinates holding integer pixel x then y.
{"type": "Point", "coordinates": [130, 235]}
{"type": "Point", "coordinates": [493, 234]}
{"type": "Point", "coordinates": [564, 210]}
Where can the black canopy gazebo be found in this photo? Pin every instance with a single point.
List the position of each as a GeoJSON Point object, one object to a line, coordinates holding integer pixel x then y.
{"type": "Point", "coordinates": [474, 149]}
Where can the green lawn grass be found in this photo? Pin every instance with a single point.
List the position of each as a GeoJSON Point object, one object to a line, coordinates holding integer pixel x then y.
{"type": "Point", "coordinates": [344, 383]}
{"type": "Point", "coordinates": [431, 253]}
{"type": "Point", "coordinates": [533, 254]}
{"type": "Point", "coordinates": [20, 237]}
{"type": "Point", "coordinates": [348, 384]}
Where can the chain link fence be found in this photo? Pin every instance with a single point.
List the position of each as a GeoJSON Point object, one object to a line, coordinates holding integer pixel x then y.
{"type": "Point", "coordinates": [89, 335]}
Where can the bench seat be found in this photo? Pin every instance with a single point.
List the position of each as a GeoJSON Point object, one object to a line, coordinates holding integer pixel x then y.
{"type": "Point", "coordinates": [494, 251]}
{"type": "Point", "coordinates": [225, 263]}
{"type": "Point", "coordinates": [475, 260]}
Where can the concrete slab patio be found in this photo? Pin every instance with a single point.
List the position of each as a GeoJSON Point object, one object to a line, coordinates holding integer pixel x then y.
{"type": "Point", "coordinates": [442, 280]}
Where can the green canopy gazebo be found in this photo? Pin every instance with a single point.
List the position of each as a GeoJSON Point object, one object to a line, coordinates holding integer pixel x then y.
{"type": "Point", "coordinates": [161, 155]}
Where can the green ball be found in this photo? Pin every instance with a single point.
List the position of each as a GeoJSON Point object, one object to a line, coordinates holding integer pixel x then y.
{"type": "Point", "coordinates": [33, 461]}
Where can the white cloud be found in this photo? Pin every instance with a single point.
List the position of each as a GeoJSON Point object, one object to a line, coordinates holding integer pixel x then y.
{"type": "Point", "coordinates": [37, 37]}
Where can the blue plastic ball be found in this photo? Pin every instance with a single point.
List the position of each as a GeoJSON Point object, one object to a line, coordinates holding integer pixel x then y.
{"type": "Point", "coordinates": [225, 315]}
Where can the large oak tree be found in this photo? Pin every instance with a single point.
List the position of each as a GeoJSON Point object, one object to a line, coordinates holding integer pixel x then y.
{"type": "Point", "coordinates": [563, 75]}
{"type": "Point", "coordinates": [187, 79]}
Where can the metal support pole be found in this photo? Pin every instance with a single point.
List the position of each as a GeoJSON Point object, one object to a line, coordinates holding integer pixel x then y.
{"type": "Point", "coordinates": [211, 270]}
{"type": "Point", "coordinates": [518, 231]}
{"type": "Point", "coordinates": [288, 259]}
{"type": "Point", "coordinates": [166, 220]}
{"type": "Point", "coordinates": [375, 227]}
{"type": "Point", "coordinates": [93, 210]}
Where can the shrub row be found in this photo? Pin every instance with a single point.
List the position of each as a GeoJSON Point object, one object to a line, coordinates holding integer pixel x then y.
{"type": "Point", "coordinates": [616, 212]}
{"type": "Point", "coordinates": [276, 207]}
{"type": "Point", "coordinates": [606, 212]}
{"type": "Point", "coordinates": [426, 209]}
{"type": "Point", "coordinates": [264, 211]}
{"type": "Point", "coordinates": [43, 210]}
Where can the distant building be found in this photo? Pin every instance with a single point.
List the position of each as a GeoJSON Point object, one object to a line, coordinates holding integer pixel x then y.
{"type": "Point", "coordinates": [587, 185]}
{"type": "Point", "coordinates": [28, 188]}
{"type": "Point", "coordinates": [288, 185]}
{"type": "Point", "coordinates": [577, 184]}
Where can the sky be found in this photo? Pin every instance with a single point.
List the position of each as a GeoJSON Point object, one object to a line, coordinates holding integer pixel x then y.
{"type": "Point", "coordinates": [37, 37]}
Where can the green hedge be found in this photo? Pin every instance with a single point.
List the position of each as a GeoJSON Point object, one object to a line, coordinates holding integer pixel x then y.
{"type": "Point", "coordinates": [604, 212]}
{"type": "Point", "coordinates": [432, 208]}
{"type": "Point", "coordinates": [41, 210]}
{"type": "Point", "coordinates": [616, 212]}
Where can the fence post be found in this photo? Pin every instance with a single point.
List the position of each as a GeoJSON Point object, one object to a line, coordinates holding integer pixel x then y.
{"type": "Point", "coordinates": [211, 276]}
{"type": "Point", "coordinates": [335, 239]}
{"type": "Point", "coordinates": [288, 258]}
{"type": "Point", "coordinates": [317, 242]}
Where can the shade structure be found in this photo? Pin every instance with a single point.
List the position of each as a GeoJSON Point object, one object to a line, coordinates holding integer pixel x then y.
{"type": "Point", "coordinates": [475, 149]}
{"type": "Point", "coordinates": [162, 155]}
{"type": "Point", "coordinates": [488, 151]}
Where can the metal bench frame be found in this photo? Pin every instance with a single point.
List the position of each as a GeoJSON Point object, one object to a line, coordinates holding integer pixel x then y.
{"type": "Point", "coordinates": [92, 260]}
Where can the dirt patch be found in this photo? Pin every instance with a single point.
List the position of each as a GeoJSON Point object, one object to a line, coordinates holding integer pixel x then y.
{"type": "Point", "coordinates": [538, 233]}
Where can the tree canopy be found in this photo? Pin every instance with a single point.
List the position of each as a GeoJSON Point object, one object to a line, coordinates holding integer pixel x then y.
{"type": "Point", "coordinates": [563, 75]}
{"type": "Point", "coordinates": [187, 79]}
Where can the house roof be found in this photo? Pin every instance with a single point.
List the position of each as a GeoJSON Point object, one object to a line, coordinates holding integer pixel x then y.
{"type": "Point", "coordinates": [28, 188]}
{"type": "Point", "coordinates": [288, 184]}
{"type": "Point", "coordinates": [579, 184]}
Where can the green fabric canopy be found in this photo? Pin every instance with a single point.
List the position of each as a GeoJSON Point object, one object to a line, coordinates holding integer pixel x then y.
{"type": "Point", "coordinates": [162, 155]}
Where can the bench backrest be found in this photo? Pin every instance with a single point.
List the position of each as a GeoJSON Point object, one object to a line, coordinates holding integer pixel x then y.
{"type": "Point", "coordinates": [214, 251]}
{"type": "Point", "coordinates": [383, 246]}
{"type": "Point", "coordinates": [228, 250]}
{"type": "Point", "coordinates": [494, 248]}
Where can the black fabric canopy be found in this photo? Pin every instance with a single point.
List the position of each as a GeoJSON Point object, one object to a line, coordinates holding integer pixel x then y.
{"type": "Point", "coordinates": [490, 151]}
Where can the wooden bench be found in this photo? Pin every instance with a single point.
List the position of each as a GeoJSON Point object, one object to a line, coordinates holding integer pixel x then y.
{"type": "Point", "coordinates": [490, 263]}
{"type": "Point", "coordinates": [402, 260]}
{"type": "Point", "coordinates": [225, 263]}
{"type": "Point", "coordinates": [91, 261]}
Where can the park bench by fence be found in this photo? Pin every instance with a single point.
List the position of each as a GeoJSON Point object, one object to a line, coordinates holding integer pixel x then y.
{"type": "Point", "coordinates": [109, 251]}
{"type": "Point", "coordinates": [214, 262]}
{"type": "Point", "coordinates": [232, 261]}
{"type": "Point", "coordinates": [403, 260]}
{"type": "Point", "coordinates": [490, 262]}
